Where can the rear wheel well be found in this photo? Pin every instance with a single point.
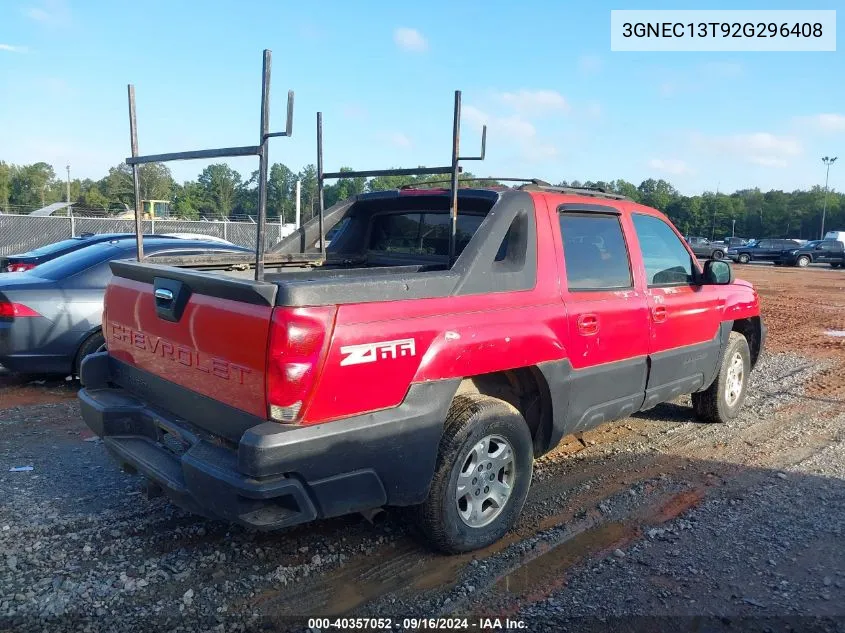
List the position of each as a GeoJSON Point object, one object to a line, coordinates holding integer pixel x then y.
{"type": "Point", "coordinates": [524, 388]}
{"type": "Point", "coordinates": [81, 351]}
{"type": "Point", "coordinates": [750, 328]}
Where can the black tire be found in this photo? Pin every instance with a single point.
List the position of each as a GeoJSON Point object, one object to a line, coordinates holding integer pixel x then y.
{"type": "Point", "coordinates": [712, 404]}
{"type": "Point", "coordinates": [90, 345]}
{"type": "Point", "coordinates": [834, 265]}
{"type": "Point", "coordinates": [802, 262]}
{"type": "Point", "coordinates": [743, 258]}
{"type": "Point", "coordinates": [718, 255]}
{"type": "Point", "coordinates": [472, 418]}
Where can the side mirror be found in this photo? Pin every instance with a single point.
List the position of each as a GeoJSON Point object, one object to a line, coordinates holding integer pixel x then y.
{"type": "Point", "coordinates": [718, 272]}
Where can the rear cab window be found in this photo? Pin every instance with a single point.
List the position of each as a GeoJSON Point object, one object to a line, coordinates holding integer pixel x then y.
{"type": "Point", "coordinates": [420, 233]}
{"type": "Point", "coordinates": [595, 253]}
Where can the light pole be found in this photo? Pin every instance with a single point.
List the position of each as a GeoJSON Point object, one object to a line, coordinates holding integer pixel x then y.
{"type": "Point", "coordinates": [828, 162]}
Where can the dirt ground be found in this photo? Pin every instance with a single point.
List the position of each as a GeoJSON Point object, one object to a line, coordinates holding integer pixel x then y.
{"type": "Point", "coordinates": [652, 523]}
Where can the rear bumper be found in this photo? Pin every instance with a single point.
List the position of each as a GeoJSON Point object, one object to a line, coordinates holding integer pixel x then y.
{"type": "Point", "coordinates": [32, 346]}
{"type": "Point", "coordinates": [275, 475]}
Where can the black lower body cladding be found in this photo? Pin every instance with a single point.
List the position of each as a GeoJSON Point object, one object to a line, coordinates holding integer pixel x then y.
{"type": "Point", "coordinates": [277, 475]}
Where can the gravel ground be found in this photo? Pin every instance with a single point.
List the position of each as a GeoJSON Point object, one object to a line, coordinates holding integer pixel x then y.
{"type": "Point", "coordinates": [706, 527]}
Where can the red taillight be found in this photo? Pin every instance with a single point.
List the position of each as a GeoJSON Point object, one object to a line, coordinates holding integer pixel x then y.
{"type": "Point", "coordinates": [19, 268]}
{"type": "Point", "coordinates": [10, 310]}
{"type": "Point", "coordinates": [299, 340]}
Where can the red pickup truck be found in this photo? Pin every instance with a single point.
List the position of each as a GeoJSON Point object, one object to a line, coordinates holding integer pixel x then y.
{"type": "Point", "coordinates": [385, 377]}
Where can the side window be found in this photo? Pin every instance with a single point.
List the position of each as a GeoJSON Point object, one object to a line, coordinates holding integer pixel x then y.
{"type": "Point", "coordinates": [826, 246]}
{"type": "Point", "coordinates": [764, 244]}
{"type": "Point", "coordinates": [667, 262]}
{"type": "Point", "coordinates": [595, 252]}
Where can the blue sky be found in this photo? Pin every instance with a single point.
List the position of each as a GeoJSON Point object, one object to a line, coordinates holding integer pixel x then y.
{"type": "Point", "coordinates": [559, 104]}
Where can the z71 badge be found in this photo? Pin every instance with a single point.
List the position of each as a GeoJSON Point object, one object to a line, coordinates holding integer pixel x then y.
{"type": "Point", "coordinates": [372, 352]}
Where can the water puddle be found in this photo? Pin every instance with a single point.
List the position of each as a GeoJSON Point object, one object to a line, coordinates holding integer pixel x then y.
{"type": "Point", "coordinates": [545, 572]}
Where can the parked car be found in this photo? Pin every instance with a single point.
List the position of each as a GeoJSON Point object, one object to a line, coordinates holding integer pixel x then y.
{"type": "Point", "coordinates": [733, 242]}
{"type": "Point", "coordinates": [29, 260]}
{"type": "Point", "coordinates": [817, 252]}
{"type": "Point", "coordinates": [50, 317]}
{"type": "Point", "coordinates": [197, 236]}
{"type": "Point", "coordinates": [407, 381]}
{"type": "Point", "coordinates": [835, 235]}
{"type": "Point", "coordinates": [765, 250]}
{"type": "Point", "coordinates": [705, 249]}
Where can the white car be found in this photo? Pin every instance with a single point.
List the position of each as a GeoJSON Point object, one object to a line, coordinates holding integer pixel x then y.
{"type": "Point", "coordinates": [198, 236]}
{"type": "Point", "coordinates": [839, 236]}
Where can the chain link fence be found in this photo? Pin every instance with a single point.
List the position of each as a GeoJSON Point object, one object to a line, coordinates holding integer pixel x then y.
{"type": "Point", "coordinates": [21, 233]}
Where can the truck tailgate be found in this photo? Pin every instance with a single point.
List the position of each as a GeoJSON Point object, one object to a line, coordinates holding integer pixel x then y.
{"type": "Point", "coordinates": [205, 332]}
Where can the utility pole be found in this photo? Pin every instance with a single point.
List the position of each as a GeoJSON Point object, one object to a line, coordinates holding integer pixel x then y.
{"type": "Point", "coordinates": [828, 162]}
{"type": "Point", "coordinates": [733, 228]}
{"type": "Point", "coordinates": [298, 198]}
{"type": "Point", "coordinates": [715, 207]}
{"type": "Point", "coordinates": [69, 208]}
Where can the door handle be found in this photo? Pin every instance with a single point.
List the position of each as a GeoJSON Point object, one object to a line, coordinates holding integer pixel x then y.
{"type": "Point", "coordinates": [163, 294]}
{"type": "Point", "coordinates": [588, 324]}
{"type": "Point", "coordinates": [658, 313]}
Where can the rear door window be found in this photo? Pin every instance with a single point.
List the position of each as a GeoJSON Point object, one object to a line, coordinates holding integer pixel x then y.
{"type": "Point", "coordinates": [595, 252]}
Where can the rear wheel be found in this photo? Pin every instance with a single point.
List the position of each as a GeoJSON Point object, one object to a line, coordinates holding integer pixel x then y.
{"type": "Point", "coordinates": [722, 400]}
{"type": "Point", "coordinates": [835, 265]}
{"type": "Point", "coordinates": [744, 258]}
{"type": "Point", "coordinates": [803, 261]}
{"type": "Point", "coordinates": [94, 343]}
{"type": "Point", "coordinates": [482, 476]}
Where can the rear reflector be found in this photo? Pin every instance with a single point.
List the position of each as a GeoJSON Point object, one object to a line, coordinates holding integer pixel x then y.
{"type": "Point", "coordinates": [19, 268]}
{"type": "Point", "coordinates": [299, 340]}
{"type": "Point", "coordinates": [10, 310]}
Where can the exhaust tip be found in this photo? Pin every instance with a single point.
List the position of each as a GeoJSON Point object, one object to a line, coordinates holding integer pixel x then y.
{"type": "Point", "coordinates": [375, 516]}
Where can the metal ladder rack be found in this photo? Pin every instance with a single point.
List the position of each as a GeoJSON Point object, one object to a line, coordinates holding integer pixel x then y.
{"type": "Point", "coordinates": [454, 169]}
{"type": "Point", "coordinates": [261, 150]}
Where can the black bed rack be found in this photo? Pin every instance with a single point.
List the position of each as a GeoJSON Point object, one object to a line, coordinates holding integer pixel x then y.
{"type": "Point", "coordinates": [260, 150]}
{"type": "Point", "coordinates": [454, 169]}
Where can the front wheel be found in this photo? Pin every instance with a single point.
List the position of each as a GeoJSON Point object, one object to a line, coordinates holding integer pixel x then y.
{"type": "Point", "coordinates": [718, 255]}
{"type": "Point", "coordinates": [744, 258]}
{"type": "Point", "coordinates": [803, 261]}
{"type": "Point", "coordinates": [723, 399]}
{"type": "Point", "coordinates": [483, 473]}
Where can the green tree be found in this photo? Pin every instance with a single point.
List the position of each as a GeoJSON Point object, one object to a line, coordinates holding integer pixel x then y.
{"type": "Point", "coordinates": [657, 193]}
{"type": "Point", "coordinates": [343, 188]}
{"type": "Point", "coordinates": [30, 185]}
{"type": "Point", "coordinates": [220, 184]}
{"type": "Point", "coordinates": [281, 192]}
{"type": "Point", "coordinates": [308, 185]}
{"type": "Point", "coordinates": [5, 186]}
{"type": "Point", "coordinates": [189, 201]}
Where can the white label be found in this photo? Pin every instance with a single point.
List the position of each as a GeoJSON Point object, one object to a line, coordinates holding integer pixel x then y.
{"type": "Point", "coordinates": [723, 30]}
{"type": "Point", "coordinates": [372, 352]}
